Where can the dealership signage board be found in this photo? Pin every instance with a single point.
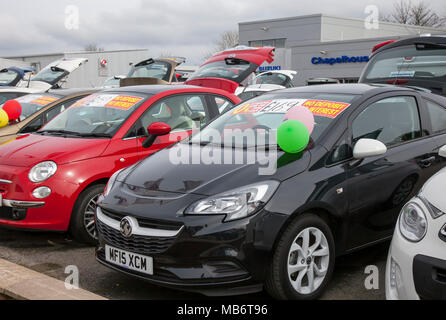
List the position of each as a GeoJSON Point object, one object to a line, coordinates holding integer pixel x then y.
{"type": "Point", "coordinates": [338, 60]}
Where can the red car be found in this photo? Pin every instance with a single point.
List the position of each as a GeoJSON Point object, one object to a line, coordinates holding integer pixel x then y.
{"type": "Point", "coordinates": [232, 68]}
{"type": "Point", "coordinates": [51, 179]}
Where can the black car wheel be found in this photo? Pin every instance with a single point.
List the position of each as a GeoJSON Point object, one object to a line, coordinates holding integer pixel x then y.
{"type": "Point", "coordinates": [82, 225]}
{"type": "Point", "coordinates": [403, 191]}
{"type": "Point", "coordinates": [303, 261]}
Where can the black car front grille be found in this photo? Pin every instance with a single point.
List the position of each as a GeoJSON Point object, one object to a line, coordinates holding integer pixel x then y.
{"type": "Point", "coordinates": [146, 223]}
{"type": "Point", "coordinates": [137, 244]}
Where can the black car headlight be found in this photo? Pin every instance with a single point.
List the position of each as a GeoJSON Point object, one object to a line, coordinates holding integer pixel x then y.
{"type": "Point", "coordinates": [235, 204]}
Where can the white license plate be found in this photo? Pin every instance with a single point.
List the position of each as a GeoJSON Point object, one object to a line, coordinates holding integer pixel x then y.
{"type": "Point", "coordinates": [129, 260]}
{"type": "Point", "coordinates": [1, 200]}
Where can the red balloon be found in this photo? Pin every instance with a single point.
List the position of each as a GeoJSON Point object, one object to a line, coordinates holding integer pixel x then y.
{"type": "Point", "coordinates": [13, 109]}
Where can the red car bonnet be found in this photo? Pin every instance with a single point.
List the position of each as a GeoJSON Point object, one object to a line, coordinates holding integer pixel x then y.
{"type": "Point", "coordinates": [256, 56]}
{"type": "Point", "coordinates": [29, 150]}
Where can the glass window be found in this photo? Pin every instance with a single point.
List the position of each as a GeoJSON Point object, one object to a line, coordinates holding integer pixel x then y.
{"type": "Point", "coordinates": [408, 62]}
{"type": "Point", "coordinates": [232, 69]}
{"type": "Point", "coordinates": [8, 76]}
{"type": "Point", "coordinates": [257, 43]}
{"type": "Point", "coordinates": [50, 114]}
{"type": "Point", "coordinates": [98, 115]}
{"type": "Point", "coordinates": [33, 126]}
{"type": "Point", "coordinates": [246, 95]}
{"type": "Point", "coordinates": [263, 115]}
{"type": "Point", "coordinates": [33, 103]}
{"type": "Point", "coordinates": [392, 121]}
{"type": "Point", "coordinates": [152, 69]}
{"type": "Point", "coordinates": [437, 115]}
{"type": "Point", "coordinates": [341, 152]}
{"type": "Point", "coordinates": [50, 75]}
{"type": "Point", "coordinates": [181, 112]}
{"type": "Point", "coordinates": [280, 43]}
{"type": "Point", "coordinates": [268, 43]}
{"type": "Point", "coordinates": [223, 105]}
{"type": "Point", "coordinates": [9, 96]}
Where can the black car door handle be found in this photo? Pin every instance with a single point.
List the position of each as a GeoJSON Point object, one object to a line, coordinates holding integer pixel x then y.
{"type": "Point", "coordinates": [428, 160]}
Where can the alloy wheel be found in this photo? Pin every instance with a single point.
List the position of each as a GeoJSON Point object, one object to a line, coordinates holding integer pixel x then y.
{"type": "Point", "coordinates": [308, 260]}
{"type": "Point", "coordinates": [89, 214]}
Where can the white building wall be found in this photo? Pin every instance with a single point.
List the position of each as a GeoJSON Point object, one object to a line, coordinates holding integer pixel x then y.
{"type": "Point", "coordinates": [325, 37]}
{"type": "Point", "coordinates": [340, 29]}
{"type": "Point", "coordinates": [7, 63]}
{"type": "Point", "coordinates": [93, 75]}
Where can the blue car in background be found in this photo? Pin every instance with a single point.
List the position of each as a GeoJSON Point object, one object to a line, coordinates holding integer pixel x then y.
{"type": "Point", "coordinates": [12, 76]}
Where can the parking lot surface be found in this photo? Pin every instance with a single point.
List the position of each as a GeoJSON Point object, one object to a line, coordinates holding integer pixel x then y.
{"type": "Point", "coordinates": [51, 253]}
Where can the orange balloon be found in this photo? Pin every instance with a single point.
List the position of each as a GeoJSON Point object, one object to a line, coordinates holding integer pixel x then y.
{"type": "Point", "coordinates": [4, 119]}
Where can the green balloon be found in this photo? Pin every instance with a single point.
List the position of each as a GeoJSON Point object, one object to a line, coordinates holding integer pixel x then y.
{"type": "Point", "coordinates": [293, 136]}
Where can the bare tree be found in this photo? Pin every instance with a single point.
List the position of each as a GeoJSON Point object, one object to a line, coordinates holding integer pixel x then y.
{"type": "Point", "coordinates": [92, 47]}
{"type": "Point", "coordinates": [419, 14]}
{"type": "Point", "coordinates": [226, 40]}
{"type": "Point", "coordinates": [402, 12]}
{"type": "Point", "coordinates": [422, 15]}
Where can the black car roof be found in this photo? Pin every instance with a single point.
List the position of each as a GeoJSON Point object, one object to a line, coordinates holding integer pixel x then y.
{"type": "Point", "coordinates": [150, 89]}
{"type": "Point", "coordinates": [353, 89]}
{"type": "Point", "coordinates": [435, 38]}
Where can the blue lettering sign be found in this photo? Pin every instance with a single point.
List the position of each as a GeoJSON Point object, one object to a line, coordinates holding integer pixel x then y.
{"type": "Point", "coordinates": [270, 68]}
{"type": "Point", "coordinates": [343, 59]}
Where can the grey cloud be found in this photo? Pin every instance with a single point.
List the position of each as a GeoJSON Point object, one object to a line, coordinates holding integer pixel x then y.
{"type": "Point", "coordinates": [186, 27]}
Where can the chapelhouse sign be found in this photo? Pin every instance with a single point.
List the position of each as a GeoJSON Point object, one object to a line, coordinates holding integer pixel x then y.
{"type": "Point", "coordinates": [343, 59]}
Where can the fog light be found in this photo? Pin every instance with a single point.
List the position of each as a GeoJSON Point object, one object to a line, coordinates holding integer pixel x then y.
{"type": "Point", "coordinates": [41, 192]}
{"type": "Point", "coordinates": [393, 271]}
{"type": "Point", "coordinates": [395, 281]}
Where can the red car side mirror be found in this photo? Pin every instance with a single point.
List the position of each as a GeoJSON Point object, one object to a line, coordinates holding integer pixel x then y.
{"type": "Point", "coordinates": [159, 129]}
{"type": "Point", "coordinates": [155, 130]}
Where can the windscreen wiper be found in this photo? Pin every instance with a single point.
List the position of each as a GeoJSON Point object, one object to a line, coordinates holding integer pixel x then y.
{"type": "Point", "coordinates": [77, 134]}
{"type": "Point", "coordinates": [59, 132]}
{"type": "Point", "coordinates": [427, 43]}
{"type": "Point", "coordinates": [95, 135]}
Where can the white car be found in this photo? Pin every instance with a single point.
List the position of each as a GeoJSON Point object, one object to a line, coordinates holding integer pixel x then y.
{"type": "Point", "coordinates": [416, 265]}
{"type": "Point", "coordinates": [266, 82]}
{"type": "Point", "coordinates": [51, 77]}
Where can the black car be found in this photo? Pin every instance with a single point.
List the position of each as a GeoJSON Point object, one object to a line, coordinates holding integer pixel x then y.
{"type": "Point", "coordinates": [418, 61]}
{"type": "Point", "coordinates": [230, 228]}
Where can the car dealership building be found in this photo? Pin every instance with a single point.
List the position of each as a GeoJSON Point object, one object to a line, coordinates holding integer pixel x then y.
{"type": "Point", "coordinates": [321, 46]}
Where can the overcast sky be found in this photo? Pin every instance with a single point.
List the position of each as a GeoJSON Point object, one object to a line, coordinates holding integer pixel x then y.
{"type": "Point", "coordinates": [186, 28]}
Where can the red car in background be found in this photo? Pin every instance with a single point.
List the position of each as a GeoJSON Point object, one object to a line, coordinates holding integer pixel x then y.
{"type": "Point", "coordinates": [51, 179]}
{"type": "Point", "coordinates": [229, 69]}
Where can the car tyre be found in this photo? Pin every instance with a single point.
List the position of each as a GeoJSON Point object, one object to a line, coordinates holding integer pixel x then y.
{"type": "Point", "coordinates": [82, 225]}
{"type": "Point", "coordinates": [290, 266]}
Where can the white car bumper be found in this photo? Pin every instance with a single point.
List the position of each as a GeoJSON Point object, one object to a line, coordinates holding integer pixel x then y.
{"type": "Point", "coordinates": [430, 257]}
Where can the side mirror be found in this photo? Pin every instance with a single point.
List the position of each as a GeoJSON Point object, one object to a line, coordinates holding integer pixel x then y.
{"type": "Point", "coordinates": [366, 148]}
{"type": "Point", "coordinates": [155, 130]}
{"type": "Point", "coordinates": [442, 151]}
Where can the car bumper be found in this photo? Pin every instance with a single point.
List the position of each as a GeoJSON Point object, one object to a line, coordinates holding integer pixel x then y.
{"type": "Point", "coordinates": [19, 209]}
{"type": "Point", "coordinates": [417, 270]}
{"type": "Point", "coordinates": [226, 259]}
